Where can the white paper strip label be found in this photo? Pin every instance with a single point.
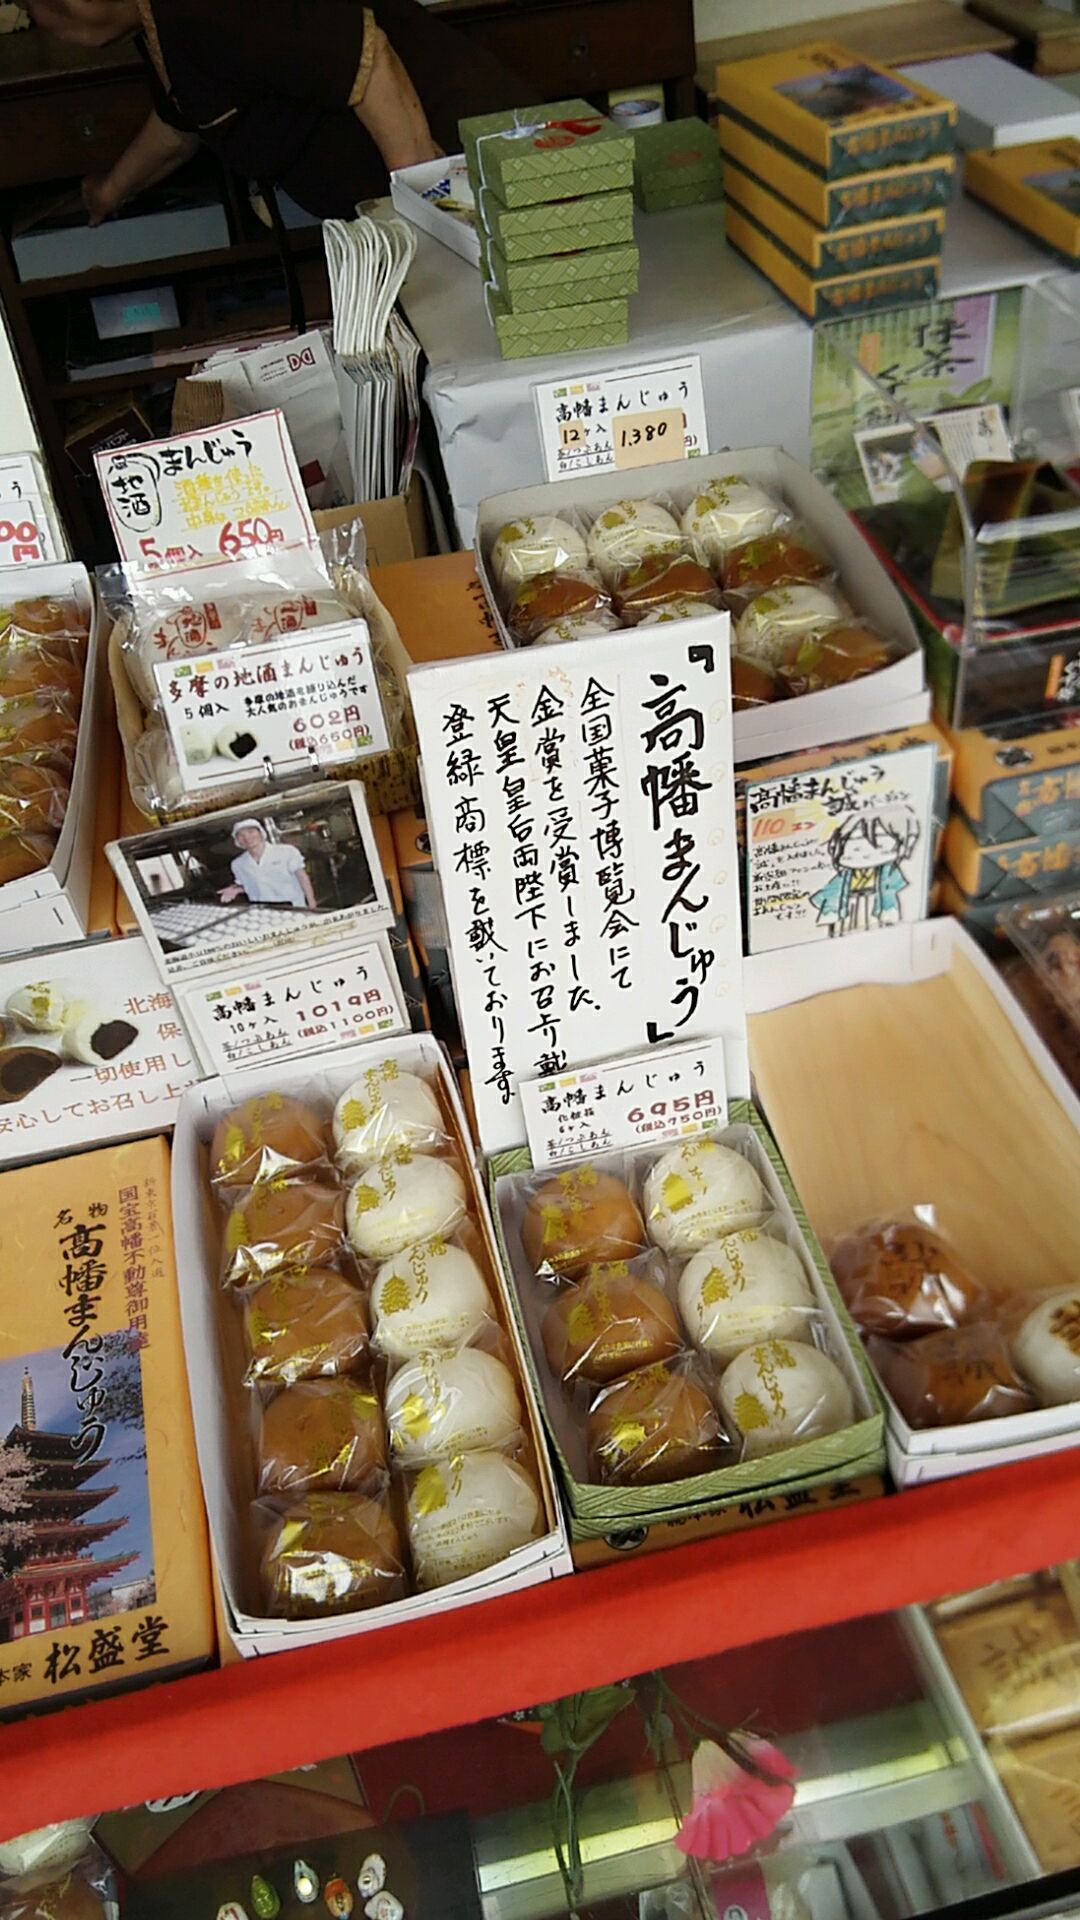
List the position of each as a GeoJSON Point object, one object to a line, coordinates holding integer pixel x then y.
{"type": "Point", "coordinates": [292, 706]}
{"type": "Point", "coordinates": [581, 808]}
{"type": "Point", "coordinates": [600, 421]}
{"type": "Point", "coordinates": [224, 493]}
{"type": "Point", "coordinates": [639, 1101]}
{"type": "Point", "coordinates": [309, 1006]}
{"type": "Point", "coordinates": [28, 530]}
{"type": "Point", "coordinates": [840, 849]}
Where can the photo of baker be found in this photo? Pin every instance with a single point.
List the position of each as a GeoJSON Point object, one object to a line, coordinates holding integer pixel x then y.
{"type": "Point", "coordinates": [238, 882]}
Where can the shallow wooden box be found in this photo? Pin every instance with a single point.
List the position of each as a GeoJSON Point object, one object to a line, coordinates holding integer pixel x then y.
{"type": "Point", "coordinates": [895, 1070]}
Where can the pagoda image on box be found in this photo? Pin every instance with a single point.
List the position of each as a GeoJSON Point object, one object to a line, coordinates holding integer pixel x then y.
{"type": "Point", "coordinates": [553, 191]}
{"type": "Point", "coordinates": [819, 142]}
{"type": "Point", "coordinates": [50, 1482]}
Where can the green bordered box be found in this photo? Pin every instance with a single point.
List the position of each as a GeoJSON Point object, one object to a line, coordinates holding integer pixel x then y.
{"type": "Point", "coordinates": [676, 164]}
{"type": "Point", "coordinates": [834, 204]}
{"type": "Point", "coordinates": [829, 299]}
{"type": "Point", "coordinates": [881, 243]}
{"type": "Point", "coordinates": [599, 1512]}
{"type": "Point", "coordinates": [835, 111]}
{"type": "Point", "coordinates": [567, 280]}
{"type": "Point", "coordinates": [596, 323]}
{"type": "Point", "coordinates": [531, 233]}
{"type": "Point", "coordinates": [554, 154]}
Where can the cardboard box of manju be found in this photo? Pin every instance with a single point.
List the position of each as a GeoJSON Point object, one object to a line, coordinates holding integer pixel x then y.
{"type": "Point", "coordinates": [930, 1089]}
{"type": "Point", "coordinates": [106, 1569]}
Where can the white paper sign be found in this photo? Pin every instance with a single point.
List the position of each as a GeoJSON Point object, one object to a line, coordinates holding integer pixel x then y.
{"type": "Point", "coordinates": [580, 802]}
{"type": "Point", "coordinates": [840, 849]}
{"type": "Point", "coordinates": [103, 1053]}
{"type": "Point", "coordinates": [293, 706]}
{"type": "Point", "coordinates": [582, 420]}
{"type": "Point", "coordinates": [887, 454]}
{"type": "Point", "coordinates": [222, 493]}
{"type": "Point", "coordinates": [306, 1006]}
{"type": "Point", "coordinates": [231, 891]}
{"type": "Point", "coordinates": [643, 1100]}
{"type": "Point", "coordinates": [28, 529]}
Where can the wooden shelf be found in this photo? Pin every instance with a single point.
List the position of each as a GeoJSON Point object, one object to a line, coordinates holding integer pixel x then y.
{"type": "Point", "coordinates": [456, 1667]}
{"type": "Point", "coordinates": [141, 272]}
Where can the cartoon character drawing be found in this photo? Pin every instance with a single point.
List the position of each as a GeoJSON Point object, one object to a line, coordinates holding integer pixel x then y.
{"type": "Point", "coordinates": [867, 851]}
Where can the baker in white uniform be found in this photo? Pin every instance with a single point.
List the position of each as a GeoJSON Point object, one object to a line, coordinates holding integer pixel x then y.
{"type": "Point", "coordinates": [268, 871]}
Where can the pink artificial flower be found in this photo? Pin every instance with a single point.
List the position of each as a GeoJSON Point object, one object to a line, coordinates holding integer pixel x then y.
{"type": "Point", "coordinates": [732, 1809]}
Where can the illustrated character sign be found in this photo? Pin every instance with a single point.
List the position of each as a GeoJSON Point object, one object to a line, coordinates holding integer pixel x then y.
{"type": "Point", "coordinates": [867, 851]}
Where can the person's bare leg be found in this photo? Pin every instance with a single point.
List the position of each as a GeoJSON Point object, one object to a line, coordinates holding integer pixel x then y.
{"type": "Point", "coordinates": [391, 111]}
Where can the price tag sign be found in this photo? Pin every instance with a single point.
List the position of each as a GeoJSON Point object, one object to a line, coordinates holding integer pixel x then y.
{"type": "Point", "coordinates": [28, 532]}
{"type": "Point", "coordinates": [632, 417]}
{"type": "Point", "coordinates": [639, 1101]}
{"type": "Point", "coordinates": [840, 849]}
{"type": "Point", "coordinates": [223, 493]}
{"type": "Point", "coordinates": [292, 706]}
{"type": "Point", "coordinates": [309, 1006]}
{"type": "Point", "coordinates": [643, 438]}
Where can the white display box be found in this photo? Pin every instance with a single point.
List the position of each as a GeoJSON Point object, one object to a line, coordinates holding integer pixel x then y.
{"type": "Point", "coordinates": [1005, 1153]}
{"type": "Point", "coordinates": [895, 697]}
{"type": "Point", "coordinates": [409, 191]}
{"type": "Point", "coordinates": [221, 1437]}
{"type": "Point", "coordinates": [997, 103]}
{"type": "Point", "coordinates": [50, 908]}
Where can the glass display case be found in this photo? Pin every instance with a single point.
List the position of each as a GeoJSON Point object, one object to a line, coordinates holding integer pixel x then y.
{"type": "Point", "coordinates": [952, 432]}
{"type": "Point", "coordinates": [894, 1765]}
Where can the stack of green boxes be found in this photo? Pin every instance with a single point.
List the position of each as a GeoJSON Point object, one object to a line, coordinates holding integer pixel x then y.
{"type": "Point", "coordinates": [677, 164]}
{"type": "Point", "coordinates": [555, 214]}
{"type": "Point", "coordinates": [836, 176]}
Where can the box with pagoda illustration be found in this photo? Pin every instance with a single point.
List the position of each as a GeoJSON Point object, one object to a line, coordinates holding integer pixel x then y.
{"type": "Point", "coordinates": [104, 1568]}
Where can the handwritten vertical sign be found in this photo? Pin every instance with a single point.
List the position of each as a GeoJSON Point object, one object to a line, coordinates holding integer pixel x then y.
{"type": "Point", "coordinates": [223, 493]}
{"type": "Point", "coordinates": [580, 801]}
{"type": "Point", "coordinates": [840, 849]}
{"type": "Point", "coordinates": [631, 417]}
{"type": "Point", "coordinates": [29, 533]}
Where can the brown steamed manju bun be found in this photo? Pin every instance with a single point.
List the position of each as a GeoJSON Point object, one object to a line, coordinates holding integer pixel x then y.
{"type": "Point", "coordinates": [661, 578]}
{"type": "Point", "coordinates": [303, 1327]}
{"type": "Point", "coordinates": [23, 853]}
{"type": "Point", "coordinates": [900, 1280]}
{"type": "Point", "coordinates": [267, 1136]}
{"type": "Point", "coordinates": [332, 1553]}
{"type": "Point", "coordinates": [655, 1425]}
{"type": "Point", "coordinates": [322, 1436]}
{"type": "Point", "coordinates": [831, 659]}
{"type": "Point", "coordinates": [282, 1224]}
{"type": "Point", "coordinates": [578, 1219]}
{"type": "Point", "coordinates": [70, 1898]}
{"type": "Point", "coordinates": [548, 597]}
{"type": "Point", "coordinates": [773, 560]}
{"type": "Point", "coordinates": [33, 799]}
{"type": "Point", "coordinates": [609, 1324]}
{"type": "Point", "coordinates": [948, 1379]}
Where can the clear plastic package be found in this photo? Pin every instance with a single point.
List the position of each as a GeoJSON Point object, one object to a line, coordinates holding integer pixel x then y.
{"type": "Point", "coordinates": [655, 1425]}
{"type": "Point", "coordinates": [781, 1392]}
{"type": "Point", "coordinates": [698, 1190]}
{"type": "Point", "coordinates": [902, 1280]}
{"type": "Point", "coordinates": [587, 626]}
{"type": "Point", "coordinates": [322, 1436]}
{"type": "Point", "coordinates": [330, 1553]}
{"type": "Point", "coordinates": [305, 1326]}
{"type": "Point", "coordinates": [744, 1288]}
{"type": "Point", "coordinates": [659, 580]}
{"type": "Point", "coordinates": [41, 616]}
{"type": "Point", "coordinates": [725, 513]}
{"type": "Point", "coordinates": [754, 683]}
{"type": "Point", "coordinates": [267, 1138]}
{"type": "Point", "coordinates": [1046, 1347]}
{"type": "Point", "coordinates": [282, 1226]}
{"type": "Point", "coordinates": [384, 1111]}
{"type": "Point", "coordinates": [1047, 933]}
{"type": "Point", "coordinates": [29, 666]}
{"type": "Point", "coordinates": [468, 1512]}
{"type": "Point", "coordinates": [578, 1218]}
{"type": "Point", "coordinates": [401, 1199]}
{"type": "Point", "coordinates": [540, 544]}
{"type": "Point", "coordinates": [40, 726]}
{"type": "Point", "coordinates": [832, 657]}
{"type": "Point", "coordinates": [23, 853]}
{"type": "Point", "coordinates": [629, 531]}
{"type": "Point", "coordinates": [618, 1318]}
{"type": "Point", "coordinates": [442, 1404]}
{"type": "Point", "coordinates": [547, 598]}
{"type": "Point", "coordinates": [771, 621]}
{"type": "Point", "coordinates": [776, 559]}
{"type": "Point", "coordinates": [430, 1297]}
{"type": "Point", "coordinates": [953, 1377]}
{"type": "Point", "coordinates": [33, 799]}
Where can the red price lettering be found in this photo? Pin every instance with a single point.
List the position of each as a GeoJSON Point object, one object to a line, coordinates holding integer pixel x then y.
{"type": "Point", "coordinates": [246, 534]}
{"type": "Point", "coordinates": [23, 538]}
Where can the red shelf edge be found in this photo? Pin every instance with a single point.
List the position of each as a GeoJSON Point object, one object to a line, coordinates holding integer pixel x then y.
{"type": "Point", "coordinates": [234, 1724]}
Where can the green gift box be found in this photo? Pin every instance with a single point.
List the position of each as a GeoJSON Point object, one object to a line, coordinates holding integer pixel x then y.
{"type": "Point", "coordinates": [596, 323]}
{"type": "Point", "coordinates": [598, 1511]}
{"type": "Point", "coordinates": [676, 164]}
{"type": "Point", "coordinates": [530, 233]}
{"type": "Point", "coordinates": [563, 280]}
{"type": "Point", "coordinates": [555, 152]}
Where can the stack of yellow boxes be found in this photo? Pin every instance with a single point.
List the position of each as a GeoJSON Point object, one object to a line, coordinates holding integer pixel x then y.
{"type": "Point", "coordinates": [837, 174]}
